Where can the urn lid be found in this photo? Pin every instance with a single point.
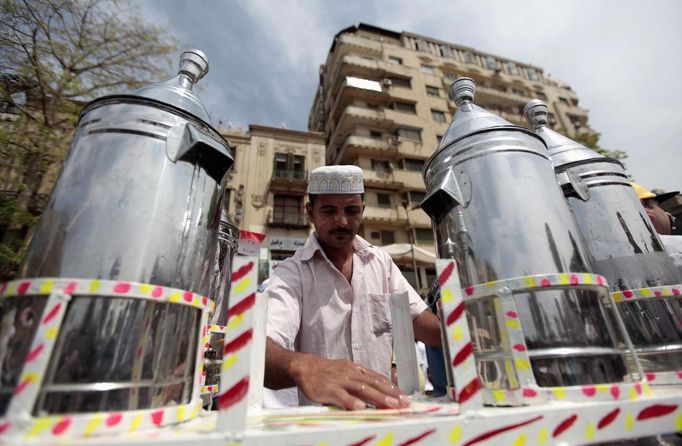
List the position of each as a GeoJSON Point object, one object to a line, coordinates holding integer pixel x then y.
{"type": "Point", "coordinates": [177, 91]}
{"type": "Point", "coordinates": [469, 118]}
{"type": "Point", "coordinates": [562, 150]}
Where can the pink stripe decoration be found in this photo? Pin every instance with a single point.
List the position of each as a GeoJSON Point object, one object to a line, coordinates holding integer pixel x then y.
{"type": "Point", "coordinates": [33, 354]}
{"type": "Point", "coordinates": [455, 314]}
{"type": "Point", "coordinates": [242, 306]}
{"type": "Point", "coordinates": [452, 312]}
{"type": "Point", "coordinates": [463, 354]}
{"type": "Point", "coordinates": [53, 312]}
{"type": "Point", "coordinates": [234, 381]}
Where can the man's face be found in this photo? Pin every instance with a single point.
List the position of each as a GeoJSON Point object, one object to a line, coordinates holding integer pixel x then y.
{"type": "Point", "coordinates": [658, 216]}
{"type": "Point", "coordinates": [336, 218]}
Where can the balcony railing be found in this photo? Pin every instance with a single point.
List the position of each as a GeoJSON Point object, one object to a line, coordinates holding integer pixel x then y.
{"type": "Point", "coordinates": [290, 220]}
{"type": "Point", "coordinates": [281, 174]}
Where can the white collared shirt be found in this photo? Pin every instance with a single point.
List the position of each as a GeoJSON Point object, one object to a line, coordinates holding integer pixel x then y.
{"type": "Point", "coordinates": [313, 309]}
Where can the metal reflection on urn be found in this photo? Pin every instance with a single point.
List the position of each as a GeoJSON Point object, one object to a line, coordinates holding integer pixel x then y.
{"type": "Point", "coordinates": [498, 211]}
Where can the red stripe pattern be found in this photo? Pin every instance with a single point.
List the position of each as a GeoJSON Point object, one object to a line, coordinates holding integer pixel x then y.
{"type": "Point", "coordinates": [564, 425]}
{"type": "Point", "coordinates": [241, 272]}
{"type": "Point", "coordinates": [486, 435]}
{"type": "Point", "coordinates": [234, 395]}
{"type": "Point", "coordinates": [242, 306]}
{"type": "Point", "coordinates": [239, 342]}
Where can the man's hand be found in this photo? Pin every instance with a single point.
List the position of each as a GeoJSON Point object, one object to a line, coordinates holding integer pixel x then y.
{"type": "Point", "coordinates": [328, 381]}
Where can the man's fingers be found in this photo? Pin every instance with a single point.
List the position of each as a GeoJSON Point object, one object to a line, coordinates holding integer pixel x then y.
{"type": "Point", "coordinates": [347, 401]}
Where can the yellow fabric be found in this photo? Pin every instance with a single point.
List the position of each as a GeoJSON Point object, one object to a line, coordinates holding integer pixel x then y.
{"type": "Point", "coordinates": [642, 192]}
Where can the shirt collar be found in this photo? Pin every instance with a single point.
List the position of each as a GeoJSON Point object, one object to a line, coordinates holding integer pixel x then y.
{"type": "Point", "coordinates": [361, 247]}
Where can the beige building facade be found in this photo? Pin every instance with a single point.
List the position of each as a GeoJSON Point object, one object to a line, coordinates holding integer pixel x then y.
{"type": "Point", "coordinates": [382, 104]}
{"type": "Point", "coordinates": [267, 186]}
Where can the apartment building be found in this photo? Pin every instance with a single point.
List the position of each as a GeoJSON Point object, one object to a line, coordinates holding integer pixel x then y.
{"type": "Point", "coordinates": [382, 104]}
{"type": "Point", "coordinates": [266, 188]}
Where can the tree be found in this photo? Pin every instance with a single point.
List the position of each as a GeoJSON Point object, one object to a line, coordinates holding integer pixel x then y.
{"type": "Point", "coordinates": [591, 140]}
{"type": "Point", "coordinates": [56, 56]}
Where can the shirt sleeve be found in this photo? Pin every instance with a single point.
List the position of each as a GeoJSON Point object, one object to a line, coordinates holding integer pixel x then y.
{"type": "Point", "coordinates": [399, 284]}
{"type": "Point", "coordinates": [284, 298]}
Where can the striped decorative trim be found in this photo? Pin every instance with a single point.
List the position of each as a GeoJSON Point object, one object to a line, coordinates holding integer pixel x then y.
{"type": "Point", "coordinates": [647, 293]}
{"type": "Point", "coordinates": [234, 376]}
{"type": "Point", "coordinates": [109, 288]}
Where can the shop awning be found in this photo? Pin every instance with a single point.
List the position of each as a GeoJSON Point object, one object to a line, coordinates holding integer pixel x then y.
{"type": "Point", "coordinates": [402, 253]}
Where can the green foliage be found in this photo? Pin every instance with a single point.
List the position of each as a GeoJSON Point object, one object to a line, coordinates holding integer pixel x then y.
{"type": "Point", "coordinates": [56, 56]}
{"type": "Point", "coordinates": [591, 140]}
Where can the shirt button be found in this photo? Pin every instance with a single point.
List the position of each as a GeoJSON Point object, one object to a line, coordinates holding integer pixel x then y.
{"type": "Point", "coordinates": [355, 346]}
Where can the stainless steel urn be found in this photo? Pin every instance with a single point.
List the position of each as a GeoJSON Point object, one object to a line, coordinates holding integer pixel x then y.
{"type": "Point", "coordinates": [132, 227]}
{"type": "Point", "coordinates": [498, 211]}
{"type": "Point", "coordinates": [622, 243]}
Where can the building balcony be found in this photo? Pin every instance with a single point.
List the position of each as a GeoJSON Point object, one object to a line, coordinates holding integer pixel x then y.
{"type": "Point", "coordinates": [383, 215]}
{"type": "Point", "coordinates": [487, 95]}
{"type": "Point", "coordinates": [346, 42]}
{"type": "Point", "coordinates": [296, 179]}
{"type": "Point", "coordinates": [360, 145]}
{"type": "Point", "coordinates": [413, 148]}
{"type": "Point", "coordinates": [514, 118]}
{"type": "Point", "coordinates": [381, 179]}
{"type": "Point", "coordinates": [410, 179]}
{"type": "Point", "coordinates": [404, 118]}
{"type": "Point", "coordinates": [572, 110]}
{"type": "Point", "coordinates": [351, 117]}
{"type": "Point", "coordinates": [418, 218]}
{"type": "Point", "coordinates": [288, 221]}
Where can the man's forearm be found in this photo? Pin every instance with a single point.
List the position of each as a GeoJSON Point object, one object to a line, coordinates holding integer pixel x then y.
{"type": "Point", "coordinates": [280, 365]}
{"type": "Point", "coordinates": [427, 328]}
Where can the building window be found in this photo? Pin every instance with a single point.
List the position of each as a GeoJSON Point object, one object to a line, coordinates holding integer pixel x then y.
{"type": "Point", "coordinates": [383, 200]}
{"type": "Point", "coordinates": [400, 82]}
{"type": "Point", "coordinates": [512, 69]}
{"type": "Point", "coordinates": [432, 91]}
{"type": "Point", "coordinates": [450, 76]}
{"type": "Point", "coordinates": [381, 166]}
{"type": "Point", "coordinates": [416, 197]}
{"type": "Point", "coordinates": [422, 45]}
{"type": "Point", "coordinates": [424, 236]}
{"type": "Point", "coordinates": [287, 209]}
{"type": "Point", "coordinates": [490, 63]}
{"type": "Point", "coordinates": [387, 237]}
{"type": "Point", "coordinates": [439, 138]}
{"type": "Point", "coordinates": [404, 107]}
{"type": "Point", "coordinates": [551, 120]}
{"type": "Point", "coordinates": [410, 133]}
{"type": "Point", "coordinates": [469, 58]}
{"type": "Point", "coordinates": [532, 75]}
{"type": "Point", "coordinates": [428, 69]}
{"type": "Point", "coordinates": [518, 92]}
{"type": "Point", "coordinates": [374, 134]}
{"type": "Point", "coordinates": [563, 100]}
{"type": "Point", "coordinates": [438, 116]}
{"type": "Point", "coordinates": [445, 51]}
{"type": "Point", "coordinates": [540, 95]}
{"type": "Point", "coordinates": [395, 60]}
{"type": "Point", "coordinates": [413, 164]}
{"type": "Point", "coordinates": [288, 165]}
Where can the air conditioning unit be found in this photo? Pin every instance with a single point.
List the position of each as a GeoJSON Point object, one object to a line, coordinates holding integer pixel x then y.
{"type": "Point", "coordinates": [386, 82]}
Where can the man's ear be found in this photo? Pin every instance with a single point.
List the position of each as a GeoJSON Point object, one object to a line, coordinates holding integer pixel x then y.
{"type": "Point", "coordinates": [309, 209]}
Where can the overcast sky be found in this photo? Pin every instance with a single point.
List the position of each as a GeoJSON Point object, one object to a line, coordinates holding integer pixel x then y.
{"type": "Point", "coordinates": [622, 58]}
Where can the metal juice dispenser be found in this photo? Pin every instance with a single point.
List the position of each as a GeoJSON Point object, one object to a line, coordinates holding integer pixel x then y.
{"type": "Point", "coordinates": [623, 245]}
{"type": "Point", "coordinates": [129, 239]}
{"type": "Point", "coordinates": [497, 210]}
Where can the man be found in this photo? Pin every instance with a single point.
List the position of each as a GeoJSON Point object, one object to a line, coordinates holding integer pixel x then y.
{"type": "Point", "coordinates": [329, 326]}
{"type": "Point", "coordinates": [662, 220]}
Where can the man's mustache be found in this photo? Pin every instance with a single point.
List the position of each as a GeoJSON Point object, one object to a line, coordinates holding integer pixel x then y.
{"type": "Point", "coordinates": [342, 231]}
